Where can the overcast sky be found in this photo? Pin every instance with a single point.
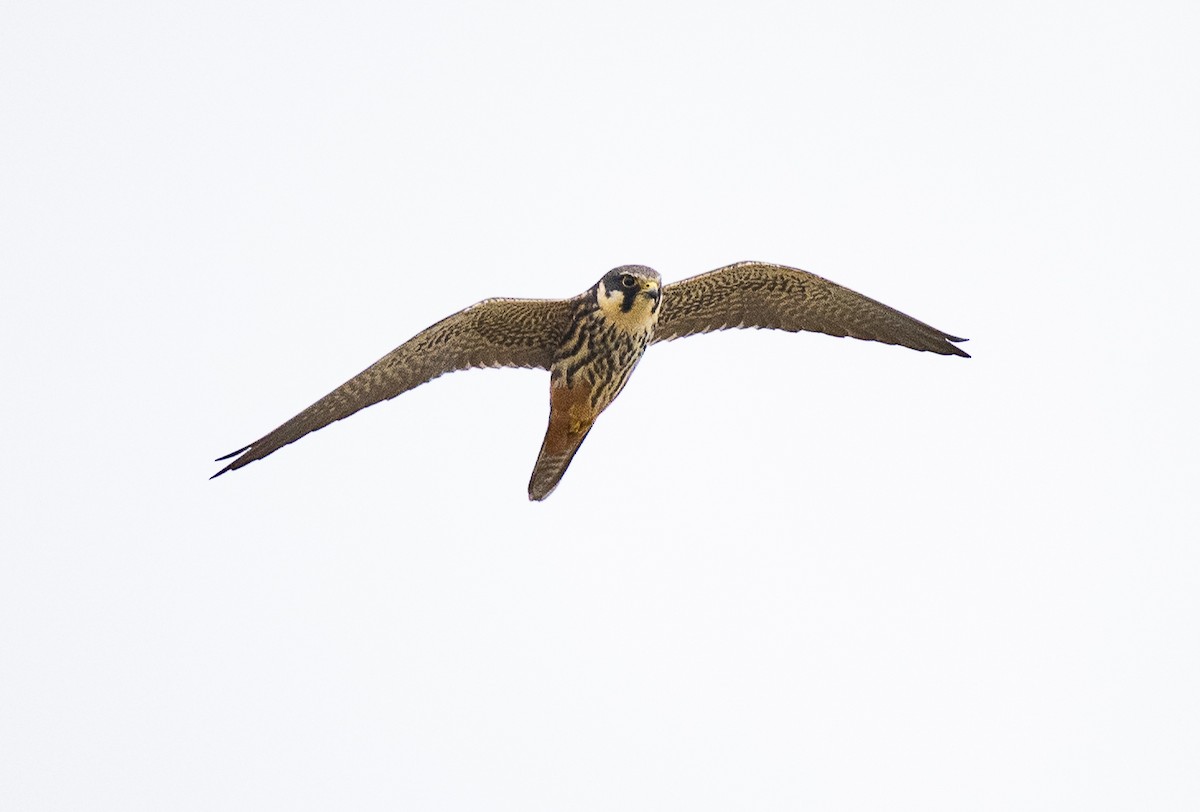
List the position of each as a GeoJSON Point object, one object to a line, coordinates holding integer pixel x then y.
{"type": "Point", "coordinates": [786, 571]}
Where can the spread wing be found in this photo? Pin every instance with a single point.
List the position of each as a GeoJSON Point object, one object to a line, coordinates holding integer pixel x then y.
{"type": "Point", "coordinates": [759, 294]}
{"type": "Point", "coordinates": [492, 333]}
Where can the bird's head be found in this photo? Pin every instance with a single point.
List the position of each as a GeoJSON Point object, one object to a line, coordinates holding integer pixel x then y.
{"type": "Point", "coordinates": [630, 295]}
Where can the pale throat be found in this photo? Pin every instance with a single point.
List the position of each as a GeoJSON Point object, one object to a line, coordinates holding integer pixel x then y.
{"type": "Point", "coordinates": [641, 316]}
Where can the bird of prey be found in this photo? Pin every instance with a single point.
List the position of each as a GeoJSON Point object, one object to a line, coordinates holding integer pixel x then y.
{"type": "Point", "coordinates": [592, 342]}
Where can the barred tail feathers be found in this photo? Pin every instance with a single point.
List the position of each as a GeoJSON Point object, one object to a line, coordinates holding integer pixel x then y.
{"type": "Point", "coordinates": [571, 419]}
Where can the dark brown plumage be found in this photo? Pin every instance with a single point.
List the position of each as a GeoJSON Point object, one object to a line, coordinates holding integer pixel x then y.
{"type": "Point", "coordinates": [591, 343]}
{"type": "Point", "coordinates": [759, 294]}
{"type": "Point", "coordinates": [606, 340]}
{"type": "Point", "coordinates": [492, 333]}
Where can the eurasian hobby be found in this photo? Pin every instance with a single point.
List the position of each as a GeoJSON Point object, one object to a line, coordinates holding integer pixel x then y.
{"type": "Point", "coordinates": [592, 342]}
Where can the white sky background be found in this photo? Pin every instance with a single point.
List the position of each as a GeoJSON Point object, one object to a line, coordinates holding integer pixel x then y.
{"type": "Point", "coordinates": [784, 572]}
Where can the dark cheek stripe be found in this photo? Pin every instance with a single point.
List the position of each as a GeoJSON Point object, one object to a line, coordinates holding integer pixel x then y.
{"type": "Point", "coordinates": [630, 297]}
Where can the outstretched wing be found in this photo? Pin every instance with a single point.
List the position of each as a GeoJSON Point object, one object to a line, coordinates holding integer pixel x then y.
{"type": "Point", "coordinates": [492, 333]}
{"type": "Point", "coordinates": [759, 294]}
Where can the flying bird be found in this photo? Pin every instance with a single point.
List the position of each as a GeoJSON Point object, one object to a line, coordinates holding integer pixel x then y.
{"type": "Point", "coordinates": [592, 342]}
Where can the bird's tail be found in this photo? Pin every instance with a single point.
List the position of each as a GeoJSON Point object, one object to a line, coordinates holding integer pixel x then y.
{"type": "Point", "coordinates": [558, 449]}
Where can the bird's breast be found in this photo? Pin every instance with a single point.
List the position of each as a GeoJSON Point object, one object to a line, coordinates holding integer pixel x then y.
{"type": "Point", "coordinates": [600, 355]}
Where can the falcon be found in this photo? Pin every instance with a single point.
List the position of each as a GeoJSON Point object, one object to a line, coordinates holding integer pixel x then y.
{"type": "Point", "coordinates": [592, 342]}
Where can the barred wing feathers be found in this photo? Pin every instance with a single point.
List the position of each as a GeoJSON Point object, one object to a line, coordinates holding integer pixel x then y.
{"type": "Point", "coordinates": [492, 333]}
{"type": "Point", "coordinates": [759, 294]}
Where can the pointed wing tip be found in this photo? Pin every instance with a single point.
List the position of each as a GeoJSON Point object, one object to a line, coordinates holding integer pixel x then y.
{"type": "Point", "coordinates": [231, 465]}
{"type": "Point", "coordinates": [957, 350]}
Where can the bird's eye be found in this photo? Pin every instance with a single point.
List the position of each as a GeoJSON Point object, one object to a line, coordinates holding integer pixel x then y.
{"type": "Point", "coordinates": [628, 281]}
